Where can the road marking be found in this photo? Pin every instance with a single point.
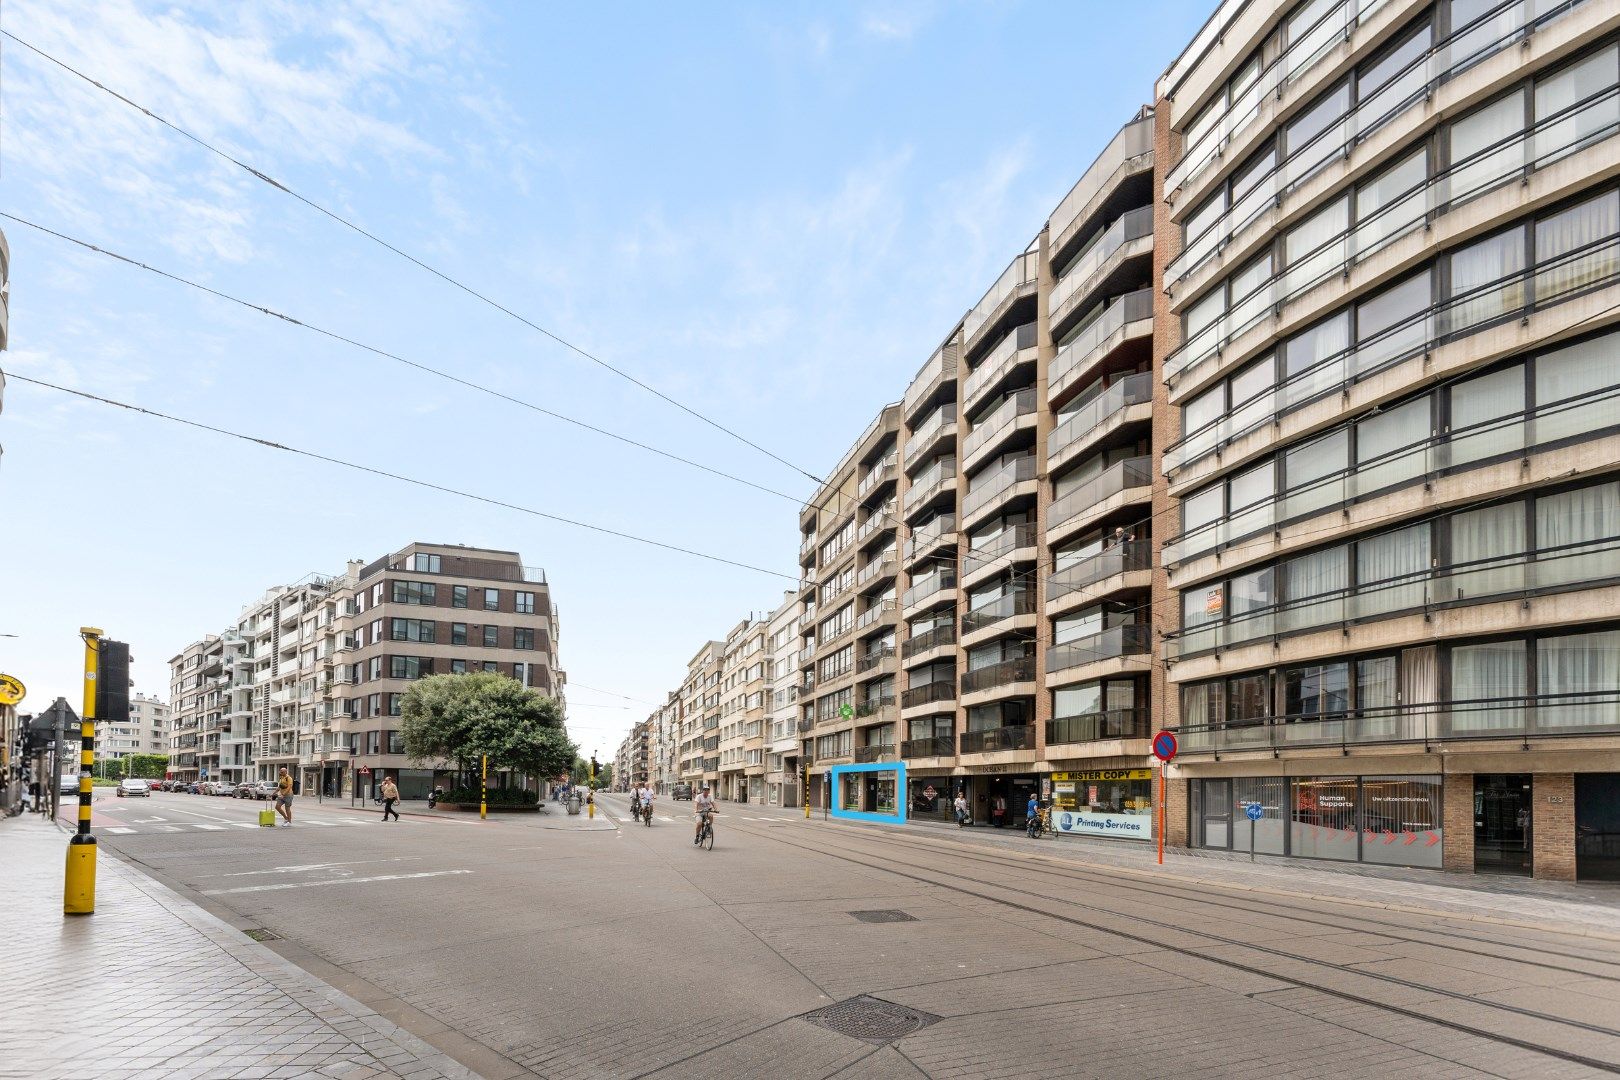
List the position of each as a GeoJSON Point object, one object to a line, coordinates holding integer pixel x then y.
{"type": "Point", "coordinates": [118, 832]}
{"type": "Point", "coordinates": [670, 819]}
{"type": "Point", "coordinates": [331, 881]}
{"type": "Point", "coordinates": [194, 813]}
{"type": "Point", "coordinates": [207, 825]}
{"type": "Point", "coordinates": [316, 866]}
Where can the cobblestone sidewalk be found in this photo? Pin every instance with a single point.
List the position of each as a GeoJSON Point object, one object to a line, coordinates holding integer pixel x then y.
{"type": "Point", "coordinates": [153, 986]}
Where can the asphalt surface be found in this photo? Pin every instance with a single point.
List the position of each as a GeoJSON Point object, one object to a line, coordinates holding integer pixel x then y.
{"type": "Point", "coordinates": [560, 946]}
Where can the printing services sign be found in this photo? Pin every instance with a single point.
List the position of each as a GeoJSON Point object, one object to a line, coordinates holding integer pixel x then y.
{"type": "Point", "coordinates": [1127, 826]}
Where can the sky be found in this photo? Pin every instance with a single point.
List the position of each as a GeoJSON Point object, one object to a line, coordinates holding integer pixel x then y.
{"type": "Point", "coordinates": [771, 213]}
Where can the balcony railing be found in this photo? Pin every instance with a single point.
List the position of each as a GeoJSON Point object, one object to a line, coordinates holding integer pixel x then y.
{"type": "Point", "coordinates": [1023, 403]}
{"type": "Point", "coordinates": [807, 723]}
{"type": "Point", "coordinates": [931, 482]}
{"type": "Point", "coordinates": [879, 519]}
{"type": "Point", "coordinates": [1078, 425]}
{"type": "Point", "coordinates": [1013, 737]}
{"type": "Point", "coordinates": [1020, 669]}
{"type": "Point", "coordinates": [1074, 285]}
{"type": "Point", "coordinates": [940, 366]}
{"type": "Point", "coordinates": [1414, 83]}
{"type": "Point", "coordinates": [930, 429]}
{"type": "Point", "coordinates": [1018, 279]}
{"type": "Point", "coordinates": [879, 472]}
{"type": "Point", "coordinates": [873, 659]}
{"type": "Point", "coordinates": [1588, 713]}
{"type": "Point", "coordinates": [1589, 415]}
{"type": "Point", "coordinates": [928, 586]}
{"type": "Point", "coordinates": [1481, 581]}
{"type": "Point", "coordinates": [944, 634]}
{"type": "Point", "coordinates": [1073, 359]}
{"type": "Point", "coordinates": [1018, 602]}
{"type": "Point", "coordinates": [999, 361]}
{"type": "Point", "coordinates": [874, 706]}
{"type": "Point", "coordinates": [874, 614]}
{"type": "Point", "coordinates": [1121, 476]}
{"type": "Point", "coordinates": [1132, 639]}
{"type": "Point", "coordinates": [996, 482]}
{"type": "Point", "coordinates": [1098, 726]}
{"type": "Point", "coordinates": [878, 567]}
{"type": "Point", "coordinates": [1007, 540]}
{"type": "Point", "coordinates": [928, 693]}
{"type": "Point", "coordinates": [885, 752]}
{"type": "Point", "coordinates": [935, 532]}
{"type": "Point", "coordinates": [934, 746]}
{"type": "Point", "coordinates": [1120, 558]}
{"type": "Point", "coordinates": [1133, 141]}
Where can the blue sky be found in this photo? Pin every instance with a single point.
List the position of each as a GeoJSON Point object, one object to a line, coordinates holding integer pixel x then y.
{"type": "Point", "coordinates": [772, 212]}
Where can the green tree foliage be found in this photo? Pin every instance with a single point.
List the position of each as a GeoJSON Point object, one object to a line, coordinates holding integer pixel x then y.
{"type": "Point", "coordinates": [145, 766]}
{"type": "Point", "coordinates": [461, 718]}
{"type": "Point", "coordinates": [580, 774]}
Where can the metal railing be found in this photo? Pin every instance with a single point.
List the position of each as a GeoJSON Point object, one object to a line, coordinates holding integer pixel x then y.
{"type": "Point", "coordinates": [1011, 538]}
{"type": "Point", "coordinates": [884, 752]}
{"type": "Point", "coordinates": [933, 746]}
{"type": "Point", "coordinates": [874, 706]}
{"type": "Point", "coordinates": [931, 482]}
{"type": "Point", "coordinates": [992, 740]}
{"type": "Point", "coordinates": [935, 532]}
{"type": "Point", "coordinates": [879, 472]}
{"type": "Point", "coordinates": [939, 366]}
{"type": "Point", "coordinates": [874, 614]}
{"type": "Point", "coordinates": [999, 361]}
{"type": "Point", "coordinates": [1078, 425]}
{"type": "Point", "coordinates": [1002, 417]}
{"type": "Point", "coordinates": [1132, 639]}
{"type": "Point", "coordinates": [1077, 280]}
{"type": "Point", "coordinates": [870, 660]}
{"type": "Point", "coordinates": [1017, 279]}
{"type": "Point", "coordinates": [930, 429]}
{"type": "Point", "coordinates": [883, 564]}
{"type": "Point", "coordinates": [944, 634]}
{"type": "Point", "coordinates": [1120, 558]}
{"type": "Point", "coordinates": [995, 483]}
{"type": "Point", "coordinates": [1007, 606]}
{"type": "Point", "coordinates": [928, 693]}
{"type": "Point", "coordinates": [1098, 726]}
{"type": "Point", "coordinates": [1075, 358]}
{"type": "Point", "coordinates": [1121, 476]}
{"type": "Point", "coordinates": [1019, 669]}
{"type": "Point", "coordinates": [928, 586]}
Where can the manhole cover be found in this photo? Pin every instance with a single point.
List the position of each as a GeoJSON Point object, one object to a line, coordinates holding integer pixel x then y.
{"type": "Point", "coordinates": [870, 1019]}
{"type": "Point", "coordinates": [886, 915]}
{"type": "Point", "coordinates": [263, 935]}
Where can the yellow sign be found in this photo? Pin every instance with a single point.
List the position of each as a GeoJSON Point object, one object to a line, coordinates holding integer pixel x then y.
{"type": "Point", "coordinates": [1106, 774]}
{"type": "Point", "coordinates": [11, 690]}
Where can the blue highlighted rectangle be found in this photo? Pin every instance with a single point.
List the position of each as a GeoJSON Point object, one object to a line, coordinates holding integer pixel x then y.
{"type": "Point", "coordinates": [836, 777]}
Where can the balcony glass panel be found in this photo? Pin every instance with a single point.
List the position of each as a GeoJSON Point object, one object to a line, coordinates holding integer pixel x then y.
{"type": "Point", "coordinates": [1070, 285]}
{"type": "Point", "coordinates": [1080, 350]}
{"type": "Point", "coordinates": [930, 429]}
{"type": "Point", "coordinates": [1113, 643]}
{"type": "Point", "coordinates": [1022, 403]}
{"type": "Point", "coordinates": [1077, 423]}
{"type": "Point", "coordinates": [1118, 477]}
{"type": "Point", "coordinates": [994, 483]}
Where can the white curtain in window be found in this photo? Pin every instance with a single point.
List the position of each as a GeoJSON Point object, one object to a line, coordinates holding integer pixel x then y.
{"type": "Point", "coordinates": [1394, 324]}
{"type": "Point", "coordinates": [1577, 248]}
{"type": "Point", "coordinates": [1420, 690]}
{"type": "Point", "coordinates": [1314, 360]}
{"type": "Point", "coordinates": [1392, 446]}
{"type": "Point", "coordinates": [1254, 399]}
{"type": "Point", "coordinates": [1250, 297]}
{"type": "Point", "coordinates": [1392, 203]}
{"type": "Point", "coordinates": [1316, 248]}
{"type": "Point", "coordinates": [1484, 148]}
{"type": "Point", "coordinates": [1313, 586]}
{"type": "Point", "coordinates": [1577, 389]}
{"type": "Point", "coordinates": [1576, 534]}
{"type": "Point", "coordinates": [1481, 27]}
{"type": "Point", "coordinates": [1487, 281]}
{"type": "Point", "coordinates": [1487, 552]}
{"type": "Point", "coordinates": [1201, 509]}
{"type": "Point", "coordinates": [1392, 571]}
{"type": "Point", "coordinates": [1583, 670]}
{"type": "Point", "coordinates": [1376, 697]}
{"type": "Point", "coordinates": [1487, 416]}
{"type": "Point", "coordinates": [1577, 106]}
{"type": "Point", "coordinates": [1314, 474]}
{"type": "Point", "coordinates": [1317, 136]}
{"type": "Point", "coordinates": [1482, 677]}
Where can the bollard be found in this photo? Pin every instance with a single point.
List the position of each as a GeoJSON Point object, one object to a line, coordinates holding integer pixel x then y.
{"type": "Point", "coordinates": [483, 789]}
{"type": "Point", "coordinates": [79, 876]}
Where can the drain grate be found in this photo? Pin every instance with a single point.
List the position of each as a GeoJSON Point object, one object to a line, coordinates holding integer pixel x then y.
{"type": "Point", "coordinates": [263, 935]}
{"type": "Point", "coordinates": [884, 915]}
{"type": "Point", "coordinates": [870, 1019]}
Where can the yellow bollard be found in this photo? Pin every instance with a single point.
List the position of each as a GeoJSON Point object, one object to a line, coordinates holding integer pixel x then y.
{"type": "Point", "coordinates": [483, 789]}
{"type": "Point", "coordinates": [79, 876]}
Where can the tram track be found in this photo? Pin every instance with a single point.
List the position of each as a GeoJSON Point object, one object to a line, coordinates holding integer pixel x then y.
{"type": "Point", "coordinates": [952, 882]}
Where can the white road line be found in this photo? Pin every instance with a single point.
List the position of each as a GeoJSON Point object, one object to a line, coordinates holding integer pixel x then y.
{"type": "Point", "coordinates": [316, 866]}
{"type": "Point", "coordinates": [207, 825]}
{"type": "Point", "coordinates": [331, 881]}
{"type": "Point", "coordinates": [118, 832]}
{"type": "Point", "coordinates": [194, 813]}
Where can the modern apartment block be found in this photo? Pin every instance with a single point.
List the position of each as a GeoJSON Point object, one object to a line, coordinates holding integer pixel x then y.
{"type": "Point", "coordinates": [700, 716]}
{"type": "Point", "coordinates": [310, 677]}
{"type": "Point", "coordinates": [743, 676]}
{"type": "Point", "coordinates": [783, 779]}
{"type": "Point", "coordinates": [146, 733]}
{"type": "Point", "coordinates": [1390, 258]}
{"type": "Point", "coordinates": [1291, 430]}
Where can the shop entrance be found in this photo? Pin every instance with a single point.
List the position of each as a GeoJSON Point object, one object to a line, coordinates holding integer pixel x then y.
{"type": "Point", "coordinates": [1216, 822]}
{"type": "Point", "coordinates": [1597, 826]}
{"type": "Point", "coordinates": [1502, 823]}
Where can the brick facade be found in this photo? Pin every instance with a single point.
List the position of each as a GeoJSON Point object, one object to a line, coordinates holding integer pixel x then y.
{"type": "Point", "coordinates": [1457, 817]}
{"type": "Point", "coordinates": [1552, 826]}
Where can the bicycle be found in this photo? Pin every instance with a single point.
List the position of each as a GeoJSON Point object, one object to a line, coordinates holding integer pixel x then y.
{"type": "Point", "coordinates": [705, 836]}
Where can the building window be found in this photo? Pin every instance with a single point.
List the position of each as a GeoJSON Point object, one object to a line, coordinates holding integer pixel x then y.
{"type": "Point", "coordinates": [415, 592]}
{"type": "Point", "coordinates": [376, 594]}
{"type": "Point", "coordinates": [409, 667]}
{"type": "Point", "coordinates": [520, 672]}
{"type": "Point", "coordinates": [522, 637]}
{"type": "Point", "coordinates": [458, 633]}
{"type": "Point", "coordinates": [374, 704]}
{"type": "Point", "coordinates": [491, 636]}
{"type": "Point", "coordinates": [491, 667]}
{"type": "Point", "coordinates": [396, 741]}
{"type": "Point", "coordinates": [426, 564]}
{"type": "Point", "coordinates": [395, 701]}
{"type": "Point", "coordinates": [412, 629]}
{"type": "Point", "coordinates": [492, 599]}
{"type": "Point", "coordinates": [525, 603]}
{"type": "Point", "coordinates": [458, 667]}
{"type": "Point", "coordinates": [373, 741]}
{"type": "Point", "coordinates": [458, 596]}
{"type": "Point", "coordinates": [376, 667]}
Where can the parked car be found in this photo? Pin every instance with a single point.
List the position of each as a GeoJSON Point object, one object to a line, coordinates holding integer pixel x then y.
{"type": "Point", "coordinates": [264, 789]}
{"type": "Point", "coordinates": [224, 787]}
{"type": "Point", "coordinates": [681, 791]}
{"type": "Point", "coordinates": [194, 788]}
{"type": "Point", "coordinates": [131, 785]}
{"type": "Point", "coordinates": [244, 790]}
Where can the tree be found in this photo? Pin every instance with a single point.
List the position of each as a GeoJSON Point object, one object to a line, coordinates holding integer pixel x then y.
{"type": "Point", "coordinates": [580, 774]}
{"type": "Point", "coordinates": [462, 718]}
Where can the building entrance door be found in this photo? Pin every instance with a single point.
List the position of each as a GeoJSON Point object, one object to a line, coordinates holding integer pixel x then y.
{"type": "Point", "coordinates": [1216, 825]}
{"type": "Point", "coordinates": [1597, 827]}
{"type": "Point", "coordinates": [1502, 823]}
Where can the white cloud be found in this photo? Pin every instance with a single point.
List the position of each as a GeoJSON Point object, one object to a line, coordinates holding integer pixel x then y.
{"type": "Point", "coordinates": [895, 22]}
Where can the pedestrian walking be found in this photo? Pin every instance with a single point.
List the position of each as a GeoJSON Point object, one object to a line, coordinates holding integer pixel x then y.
{"type": "Point", "coordinates": [284, 796]}
{"type": "Point", "coordinates": [998, 811]}
{"type": "Point", "coordinates": [390, 794]}
{"type": "Point", "coordinates": [961, 809]}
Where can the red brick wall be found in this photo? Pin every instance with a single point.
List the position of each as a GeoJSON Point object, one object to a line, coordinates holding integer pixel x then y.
{"type": "Point", "coordinates": [1457, 809]}
{"type": "Point", "coordinates": [1552, 825]}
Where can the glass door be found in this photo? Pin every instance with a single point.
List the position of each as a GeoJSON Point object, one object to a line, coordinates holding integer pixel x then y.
{"type": "Point", "coordinates": [1502, 827]}
{"type": "Point", "coordinates": [1216, 821]}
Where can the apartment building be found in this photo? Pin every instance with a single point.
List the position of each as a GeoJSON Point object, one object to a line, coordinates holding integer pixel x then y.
{"type": "Point", "coordinates": [783, 779]}
{"type": "Point", "coordinates": [743, 674]}
{"type": "Point", "coordinates": [1390, 255]}
{"type": "Point", "coordinates": [310, 677]}
{"type": "Point", "coordinates": [147, 731]}
{"type": "Point", "coordinates": [700, 716]}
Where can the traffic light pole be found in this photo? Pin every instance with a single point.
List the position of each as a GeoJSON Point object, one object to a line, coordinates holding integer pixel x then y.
{"type": "Point", "coordinates": [79, 882]}
{"type": "Point", "coordinates": [590, 810]}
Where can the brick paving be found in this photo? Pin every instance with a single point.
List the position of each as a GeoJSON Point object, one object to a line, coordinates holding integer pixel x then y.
{"type": "Point", "coordinates": [153, 986]}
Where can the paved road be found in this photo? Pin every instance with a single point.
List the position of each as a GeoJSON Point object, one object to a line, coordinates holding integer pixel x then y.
{"type": "Point", "coordinates": [546, 947]}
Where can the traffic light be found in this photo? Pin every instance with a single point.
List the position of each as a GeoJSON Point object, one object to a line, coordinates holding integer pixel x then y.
{"type": "Point", "coordinates": [112, 683]}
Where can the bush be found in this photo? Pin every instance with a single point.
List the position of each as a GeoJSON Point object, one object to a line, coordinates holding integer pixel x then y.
{"type": "Point", "coordinates": [469, 796]}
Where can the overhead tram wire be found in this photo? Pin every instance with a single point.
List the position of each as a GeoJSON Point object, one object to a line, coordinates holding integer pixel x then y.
{"type": "Point", "coordinates": [384, 473]}
{"type": "Point", "coordinates": [429, 268]}
{"type": "Point", "coordinates": [395, 357]}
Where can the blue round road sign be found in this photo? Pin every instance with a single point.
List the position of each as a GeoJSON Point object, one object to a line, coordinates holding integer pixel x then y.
{"type": "Point", "coordinates": [1164, 745]}
{"type": "Point", "coordinates": [1255, 811]}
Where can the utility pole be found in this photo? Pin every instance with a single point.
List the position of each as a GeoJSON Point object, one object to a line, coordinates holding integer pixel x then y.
{"type": "Point", "coordinates": [79, 881]}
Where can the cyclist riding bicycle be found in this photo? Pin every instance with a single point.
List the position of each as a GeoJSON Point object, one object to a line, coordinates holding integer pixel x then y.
{"type": "Point", "coordinates": [643, 795]}
{"type": "Point", "coordinates": [702, 807]}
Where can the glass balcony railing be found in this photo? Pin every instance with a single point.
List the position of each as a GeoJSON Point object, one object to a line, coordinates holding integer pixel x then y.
{"type": "Point", "coordinates": [931, 428]}
{"type": "Point", "coordinates": [1078, 425]}
{"type": "Point", "coordinates": [1018, 279]}
{"type": "Point", "coordinates": [995, 483]}
{"type": "Point", "coordinates": [1006, 606]}
{"type": "Point", "coordinates": [1413, 84]}
{"type": "Point", "coordinates": [940, 530]}
{"type": "Point", "coordinates": [931, 747]}
{"type": "Point", "coordinates": [993, 740]}
{"type": "Point", "coordinates": [1022, 403]}
{"type": "Point", "coordinates": [1120, 476]}
{"type": "Point", "coordinates": [875, 614]}
{"type": "Point", "coordinates": [1132, 639]}
{"type": "Point", "coordinates": [1007, 540]}
{"type": "Point", "coordinates": [874, 659]}
{"type": "Point", "coordinates": [882, 565]}
{"type": "Point", "coordinates": [929, 693]}
{"type": "Point", "coordinates": [1075, 358]}
{"type": "Point", "coordinates": [1098, 726]}
{"type": "Point", "coordinates": [944, 634]}
{"type": "Point", "coordinates": [1134, 140]}
{"type": "Point", "coordinates": [1120, 558]}
{"type": "Point", "coordinates": [931, 482]}
{"type": "Point", "coordinates": [1590, 415]}
{"type": "Point", "coordinates": [882, 752]}
{"type": "Point", "coordinates": [999, 361]}
{"type": "Point", "coordinates": [940, 366]}
{"type": "Point", "coordinates": [1021, 669]}
{"type": "Point", "coordinates": [1077, 280]}
{"type": "Point", "coordinates": [879, 472]}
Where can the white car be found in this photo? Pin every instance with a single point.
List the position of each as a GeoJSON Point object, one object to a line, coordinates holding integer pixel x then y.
{"type": "Point", "coordinates": [70, 784]}
{"type": "Point", "coordinates": [133, 786]}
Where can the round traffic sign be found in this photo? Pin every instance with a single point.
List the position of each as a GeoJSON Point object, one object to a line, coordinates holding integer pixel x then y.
{"type": "Point", "coordinates": [1255, 811]}
{"type": "Point", "coordinates": [1164, 745]}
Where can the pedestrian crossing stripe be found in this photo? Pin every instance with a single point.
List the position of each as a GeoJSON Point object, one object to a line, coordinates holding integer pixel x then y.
{"type": "Point", "coordinates": [205, 826]}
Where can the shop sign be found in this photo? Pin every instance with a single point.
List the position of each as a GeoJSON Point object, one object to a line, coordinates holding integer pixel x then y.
{"type": "Point", "coordinates": [1130, 826]}
{"type": "Point", "coordinates": [1106, 774]}
{"type": "Point", "coordinates": [1214, 600]}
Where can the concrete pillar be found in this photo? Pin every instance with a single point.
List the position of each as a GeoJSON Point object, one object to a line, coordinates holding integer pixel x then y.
{"type": "Point", "coordinates": [1552, 826]}
{"type": "Point", "coordinates": [1457, 817]}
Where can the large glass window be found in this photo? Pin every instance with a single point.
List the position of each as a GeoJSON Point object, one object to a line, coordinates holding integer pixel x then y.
{"type": "Point", "coordinates": [1324, 823]}
{"type": "Point", "coordinates": [1316, 691]}
{"type": "Point", "coordinates": [1392, 324]}
{"type": "Point", "coordinates": [1487, 281]}
{"type": "Point", "coordinates": [1311, 138]}
{"type": "Point", "coordinates": [1581, 673]}
{"type": "Point", "coordinates": [1484, 147]}
{"type": "Point", "coordinates": [1576, 248]}
{"type": "Point", "coordinates": [1314, 248]}
{"type": "Point", "coordinates": [1392, 202]}
{"type": "Point", "coordinates": [1400, 820]}
{"type": "Point", "coordinates": [1582, 97]}
{"type": "Point", "coordinates": [1487, 683]}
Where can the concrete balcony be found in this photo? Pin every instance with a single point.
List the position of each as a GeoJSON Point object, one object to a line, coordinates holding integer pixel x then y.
{"type": "Point", "coordinates": [938, 425]}
{"type": "Point", "coordinates": [1013, 545]}
{"type": "Point", "coordinates": [937, 747]}
{"type": "Point", "coordinates": [996, 487]}
{"type": "Point", "coordinates": [1128, 401]}
{"type": "Point", "coordinates": [1128, 153]}
{"type": "Point", "coordinates": [1012, 611]}
{"type": "Point", "coordinates": [939, 370]}
{"type": "Point", "coordinates": [1124, 327]}
{"type": "Point", "coordinates": [1122, 567]}
{"type": "Point", "coordinates": [1010, 678]}
{"type": "Point", "coordinates": [928, 591]}
{"type": "Point", "coordinates": [1016, 413]}
{"type": "Point", "coordinates": [1112, 726]}
{"type": "Point", "coordinates": [931, 537]}
{"type": "Point", "coordinates": [1015, 351]}
{"type": "Point", "coordinates": [934, 486]}
{"type": "Point", "coordinates": [1117, 650]}
{"type": "Point", "coordinates": [1121, 484]}
{"type": "Point", "coordinates": [1130, 237]}
{"type": "Point", "coordinates": [927, 698]}
{"type": "Point", "coordinates": [1016, 283]}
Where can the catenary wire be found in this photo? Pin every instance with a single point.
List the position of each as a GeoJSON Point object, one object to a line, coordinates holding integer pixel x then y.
{"type": "Point", "coordinates": [374, 471]}
{"type": "Point", "coordinates": [429, 268]}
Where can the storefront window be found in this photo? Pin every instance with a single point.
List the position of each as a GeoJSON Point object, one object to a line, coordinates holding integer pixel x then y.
{"type": "Point", "coordinates": [1324, 823]}
{"type": "Point", "coordinates": [1270, 794]}
{"type": "Point", "coordinates": [850, 795]}
{"type": "Point", "coordinates": [1389, 820]}
{"type": "Point", "coordinates": [1109, 802]}
{"type": "Point", "coordinates": [1400, 820]}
